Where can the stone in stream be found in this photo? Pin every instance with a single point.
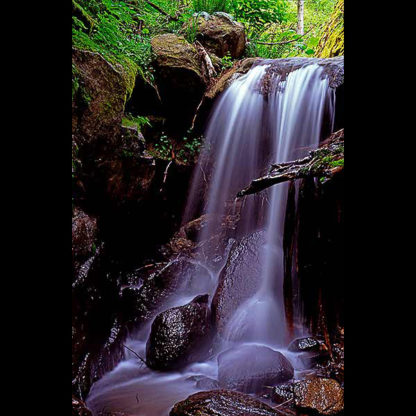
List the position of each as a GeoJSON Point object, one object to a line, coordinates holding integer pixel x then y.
{"type": "Point", "coordinates": [178, 336]}
{"type": "Point", "coordinates": [311, 351]}
{"type": "Point", "coordinates": [324, 396]}
{"type": "Point", "coordinates": [309, 344]}
{"type": "Point", "coordinates": [252, 367]}
{"type": "Point", "coordinates": [221, 403]}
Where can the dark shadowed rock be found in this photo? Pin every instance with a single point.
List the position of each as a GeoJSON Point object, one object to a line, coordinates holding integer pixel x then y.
{"type": "Point", "coordinates": [179, 79]}
{"type": "Point", "coordinates": [221, 35]}
{"type": "Point", "coordinates": [250, 368]}
{"type": "Point", "coordinates": [238, 280]}
{"type": "Point", "coordinates": [178, 335]}
{"type": "Point", "coordinates": [322, 395]}
{"type": "Point", "coordinates": [221, 403]}
{"type": "Point", "coordinates": [84, 237]}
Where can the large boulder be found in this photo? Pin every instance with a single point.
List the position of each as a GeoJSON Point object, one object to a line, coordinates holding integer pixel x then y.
{"type": "Point", "coordinates": [239, 280]}
{"type": "Point", "coordinates": [178, 336]}
{"type": "Point", "coordinates": [179, 78]}
{"type": "Point", "coordinates": [250, 368]}
{"type": "Point", "coordinates": [221, 35]}
{"type": "Point", "coordinates": [323, 395]}
{"type": "Point", "coordinates": [221, 403]}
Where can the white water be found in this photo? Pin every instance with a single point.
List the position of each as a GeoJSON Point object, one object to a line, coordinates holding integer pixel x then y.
{"type": "Point", "coordinates": [247, 132]}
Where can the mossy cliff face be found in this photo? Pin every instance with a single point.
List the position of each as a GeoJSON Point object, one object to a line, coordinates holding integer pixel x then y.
{"type": "Point", "coordinates": [332, 40]}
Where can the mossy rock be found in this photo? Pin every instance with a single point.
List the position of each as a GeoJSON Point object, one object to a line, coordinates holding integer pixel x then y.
{"type": "Point", "coordinates": [172, 51]}
{"type": "Point", "coordinates": [332, 40]}
{"type": "Point", "coordinates": [220, 35]}
{"type": "Point", "coordinates": [179, 79]}
{"type": "Point", "coordinates": [99, 93]}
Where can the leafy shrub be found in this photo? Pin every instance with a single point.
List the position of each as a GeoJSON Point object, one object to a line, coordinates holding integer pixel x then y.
{"type": "Point", "coordinates": [211, 6]}
{"type": "Point", "coordinates": [260, 13]}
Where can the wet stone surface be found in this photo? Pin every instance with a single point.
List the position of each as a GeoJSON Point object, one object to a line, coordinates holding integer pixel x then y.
{"type": "Point", "coordinates": [221, 403]}
{"type": "Point", "coordinates": [251, 368]}
{"type": "Point", "coordinates": [178, 335]}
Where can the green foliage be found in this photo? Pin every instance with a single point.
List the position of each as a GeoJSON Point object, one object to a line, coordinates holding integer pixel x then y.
{"type": "Point", "coordinates": [212, 6]}
{"type": "Point", "coordinates": [164, 147]}
{"type": "Point", "coordinates": [287, 43]}
{"type": "Point", "coordinates": [135, 121]}
{"type": "Point", "coordinates": [258, 14]}
{"type": "Point", "coordinates": [227, 61]}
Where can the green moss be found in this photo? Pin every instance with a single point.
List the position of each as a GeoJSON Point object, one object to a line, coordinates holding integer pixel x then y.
{"type": "Point", "coordinates": [332, 39]}
{"type": "Point", "coordinates": [337, 163]}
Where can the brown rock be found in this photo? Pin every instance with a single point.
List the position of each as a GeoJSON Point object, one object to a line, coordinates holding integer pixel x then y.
{"type": "Point", "coordinates": [221, 35]}
{"type": "Point", "coordinates": [323, 395]}
{"type": "Point", "coordinates": [99, 98]}
{"type": "Point", "coordinates": [221, 403]}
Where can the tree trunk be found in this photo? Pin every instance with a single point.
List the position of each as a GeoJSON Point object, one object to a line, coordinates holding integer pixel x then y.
{"type": "Point", "coordinates": [301, 7]}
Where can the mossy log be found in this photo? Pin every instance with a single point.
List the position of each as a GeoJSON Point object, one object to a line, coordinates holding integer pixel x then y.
{"type": "Point", "coordinates": [324, 162]}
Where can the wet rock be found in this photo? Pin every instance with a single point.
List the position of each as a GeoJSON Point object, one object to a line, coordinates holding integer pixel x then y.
{"type": "Point", "coordinates": [322, 395]}
{"type": "Point", "coordinates": [221, 35]}
{"type": "Point", "coordinates": [100, 90]}
{"type": "Point", "coordinates": [282, 393]}
{"type": "Point", "coordinates": [239, 279]}
{"type": "Point", "coordinates": [306, 344]}
{"type": "Point", "coordinates": [178, 335]}
{"type": "Point", "coordinates": [204, 383]}
{"type": "Point", "coordinates": [221, 403]}
{"type": "Point", "coordinates": [141, 302]}
{"type": "Point", "coordinates": [333, 68]}
{"type": "Point", "coordinates": [250, 368]}
{"type": "Point", "coordinates": [84, 238]}
{"type": "Point", "coordinates": [179, 79]}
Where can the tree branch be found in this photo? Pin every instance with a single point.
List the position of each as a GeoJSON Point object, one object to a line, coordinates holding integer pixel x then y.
{"type": "Point", "coordinates": [325, 162]}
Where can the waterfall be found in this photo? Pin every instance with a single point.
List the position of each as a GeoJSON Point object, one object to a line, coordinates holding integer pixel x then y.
{"type": "Point", "coordinates": [249, 130]}
{"type": "Point", "coordinates": [265, 117]}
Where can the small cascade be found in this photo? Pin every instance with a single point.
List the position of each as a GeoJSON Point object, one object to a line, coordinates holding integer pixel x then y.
{"type": "Point", "coordinates": [252, 126]}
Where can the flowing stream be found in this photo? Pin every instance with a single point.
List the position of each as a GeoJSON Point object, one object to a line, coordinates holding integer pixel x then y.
{"type": "Point", "coordinates": [250, 129]}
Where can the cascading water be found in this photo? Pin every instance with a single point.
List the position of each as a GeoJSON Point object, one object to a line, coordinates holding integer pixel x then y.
{"type": "Point", "coordinates": [250, 128]}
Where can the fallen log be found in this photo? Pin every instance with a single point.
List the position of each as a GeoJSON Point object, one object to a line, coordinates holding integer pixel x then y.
{"type": "Point", "coordinates": [324, 162]}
